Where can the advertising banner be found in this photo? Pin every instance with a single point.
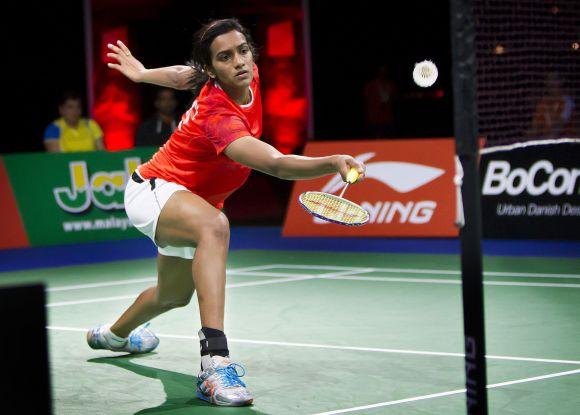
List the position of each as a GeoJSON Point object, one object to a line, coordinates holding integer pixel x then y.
{"type": "Point", "coordinates": [75, 197]}
{"type": "Point", "coordinates": [408, 190]}
{"type": "Point", "coordinates": [532, 192]}
{"type": "Point", "coordinates": [13, 234]}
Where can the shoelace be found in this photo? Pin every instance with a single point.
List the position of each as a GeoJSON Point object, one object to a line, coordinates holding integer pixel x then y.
{"type": "Point", "coordinates": [229, 376]}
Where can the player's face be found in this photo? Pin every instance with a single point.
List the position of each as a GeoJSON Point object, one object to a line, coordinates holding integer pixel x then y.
{"type": "Point", "coordinates": [71, 111]}
{"type": "Point", "coordinates": [232, 60]}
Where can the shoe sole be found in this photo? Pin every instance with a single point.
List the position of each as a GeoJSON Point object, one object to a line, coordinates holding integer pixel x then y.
{"type": "Point", "coordinates": [212, 401]}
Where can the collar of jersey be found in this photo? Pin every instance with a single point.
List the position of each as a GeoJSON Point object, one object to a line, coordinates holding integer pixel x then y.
{"type": "Point", "coordinates": [248, 105]}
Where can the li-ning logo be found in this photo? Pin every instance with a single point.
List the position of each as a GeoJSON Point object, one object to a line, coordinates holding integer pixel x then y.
{"type": "Point", "coordinates": [403, 177]}
{"type": "Point", "coordinates": [400, 176]}
{"type": "Point", "coordinates": [103, 189]}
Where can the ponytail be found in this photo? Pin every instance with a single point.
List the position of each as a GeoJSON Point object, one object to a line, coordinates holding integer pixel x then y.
{"type": "Point", "coordinates": [198, 79]}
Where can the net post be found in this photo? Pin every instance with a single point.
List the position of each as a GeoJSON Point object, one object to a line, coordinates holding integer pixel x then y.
{"type": "Point", "coordinates": [466, 133]}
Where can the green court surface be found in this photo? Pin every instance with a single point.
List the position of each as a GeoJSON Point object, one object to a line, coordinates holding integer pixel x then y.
{"type": "Point", "coordinates": [326, 333]}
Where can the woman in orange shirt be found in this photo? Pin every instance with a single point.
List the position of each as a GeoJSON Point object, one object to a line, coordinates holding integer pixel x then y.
{"type": "Point", "coordinates": [176, 197]}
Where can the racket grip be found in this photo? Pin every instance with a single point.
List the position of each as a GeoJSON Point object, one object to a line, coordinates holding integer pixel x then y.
{"type": "Point", "coordinates": [352, 175]}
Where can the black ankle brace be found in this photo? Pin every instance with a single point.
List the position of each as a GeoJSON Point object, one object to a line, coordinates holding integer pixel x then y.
{"type": "Point", "coordinates": [213, 342]}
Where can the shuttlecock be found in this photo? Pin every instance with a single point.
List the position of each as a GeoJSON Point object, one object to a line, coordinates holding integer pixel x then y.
{"type": "Point", "coordinates": [425, 73]}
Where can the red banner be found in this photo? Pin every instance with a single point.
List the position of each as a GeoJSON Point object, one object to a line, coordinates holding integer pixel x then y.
{"type": "Point", "coordinates": [13, 232]}
{"type": "Point", "coordinates": [408, 190]}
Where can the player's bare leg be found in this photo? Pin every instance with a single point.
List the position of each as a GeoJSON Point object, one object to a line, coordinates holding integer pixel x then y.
{"type": "Point", "coordinates": [174, 289]}
{"type": "Point", "coordinates": [188, 220]}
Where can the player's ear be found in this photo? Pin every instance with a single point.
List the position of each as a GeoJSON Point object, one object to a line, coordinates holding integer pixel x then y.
{"type": "Point", "coordinates": [210, 72]}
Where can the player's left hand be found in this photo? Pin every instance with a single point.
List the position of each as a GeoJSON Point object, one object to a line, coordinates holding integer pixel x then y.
{"type": "Point", "coordinates": [127, 64]}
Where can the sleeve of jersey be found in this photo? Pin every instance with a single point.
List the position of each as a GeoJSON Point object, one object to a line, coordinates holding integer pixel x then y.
{"type": "Point", "coordinates": [52, 132]}
{"type": "Point", "coordinates": [223, 129]}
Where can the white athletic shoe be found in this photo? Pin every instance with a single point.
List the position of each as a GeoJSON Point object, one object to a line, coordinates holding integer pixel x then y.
{"type": "Point", "coordinates": [220, 384]}
{"type": "Point", "coordinates": [140, 340]}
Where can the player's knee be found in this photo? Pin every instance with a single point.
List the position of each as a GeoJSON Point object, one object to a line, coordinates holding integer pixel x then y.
{"type": "Point", "coordinates": [175, 302]}
{"type": "Point", "coordinates": [217, 228]}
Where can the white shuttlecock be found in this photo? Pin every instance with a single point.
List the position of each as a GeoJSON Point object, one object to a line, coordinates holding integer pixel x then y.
{"type": "Point", "coordinates": [425, 73]}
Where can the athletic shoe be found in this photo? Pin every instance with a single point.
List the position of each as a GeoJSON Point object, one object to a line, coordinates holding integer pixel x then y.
{"type": "Point", "coordinates": [220, 384]}
{"type": "Point", "coordinates": [140, 340]}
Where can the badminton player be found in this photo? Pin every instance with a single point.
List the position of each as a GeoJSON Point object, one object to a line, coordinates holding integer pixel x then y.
{"type": "Point", "coordinates": [176, 197]}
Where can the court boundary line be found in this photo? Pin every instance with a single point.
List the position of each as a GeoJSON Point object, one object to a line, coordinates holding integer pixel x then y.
{"type": "Point", "coordinates": [133, 296]}
{"type": "Point", "coordinates": [303, 277]}
{"type": "Point", "coordinates": [299, 277]}
{"type": "Point", "coordinates": [138, 280]}
{"type": "Point", "coordinates": [448, 393]}
{"type": "Point", "coordinates": [351, 277]}
{"type": "Point", "coordinates": [245, 271]}
{"type": "Point", "coordinates": [350, 348]}
{"type": "Point", "coordinates": [398, 401]}
{"type": "Point", "coordinates": [428, 271]}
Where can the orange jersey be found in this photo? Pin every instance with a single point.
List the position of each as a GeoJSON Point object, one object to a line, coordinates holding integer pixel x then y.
{"type": "Point", "coordinates": [193, 155]}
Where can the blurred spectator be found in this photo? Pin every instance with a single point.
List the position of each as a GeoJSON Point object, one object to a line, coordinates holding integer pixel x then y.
{"type": "Point", "coordinates": [156, 130]}
{"type": "Point", "coordinates": [554, 113]}
{"type": "Point", "coordinates": [379, 96]}
{"type": "Point", "coordinates": [71, 132]}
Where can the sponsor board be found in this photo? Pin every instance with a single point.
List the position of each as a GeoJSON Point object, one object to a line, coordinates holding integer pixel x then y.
{"type": "Point", "coordinates": [408, 189]}
{"type": "Point", "coordinates": [75, 197]}
{"type": "Point", "coordinates": [532, 192]}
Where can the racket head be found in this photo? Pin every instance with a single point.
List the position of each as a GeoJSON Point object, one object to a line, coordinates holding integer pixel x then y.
{"type": "Point", "coordinates": [333, 209]}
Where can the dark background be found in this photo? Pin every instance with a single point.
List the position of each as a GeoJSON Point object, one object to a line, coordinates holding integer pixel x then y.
{"type": "Point", "coordinates": [349, 43]}
{"type": "Point", "coordinates": [46, 45]}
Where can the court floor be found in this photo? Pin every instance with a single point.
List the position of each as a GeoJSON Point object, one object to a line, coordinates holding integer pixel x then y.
{"type": "Point", "coordinates": [326, 333]}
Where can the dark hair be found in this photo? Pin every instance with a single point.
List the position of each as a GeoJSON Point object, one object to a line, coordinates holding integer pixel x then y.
{"type": "Point", "coordinates": [72, 95]}
{"type": "Point", "coordinates": [201, 54]}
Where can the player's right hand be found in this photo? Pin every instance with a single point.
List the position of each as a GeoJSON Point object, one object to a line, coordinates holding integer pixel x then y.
{"type": "Point", "coordinates": [127, 64]}
{"type": "Point", "coordinates": [344, 163]}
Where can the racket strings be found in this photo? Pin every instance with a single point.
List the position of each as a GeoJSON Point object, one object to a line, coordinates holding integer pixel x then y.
{"type": "Point", "coordinates": [333, 208]}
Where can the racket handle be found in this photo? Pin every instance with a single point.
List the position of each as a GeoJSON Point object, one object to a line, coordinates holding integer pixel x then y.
{"type": "Point", "coordinates": [352, 175]}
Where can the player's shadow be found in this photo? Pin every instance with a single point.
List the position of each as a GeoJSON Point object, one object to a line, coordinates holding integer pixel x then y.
{"type": "Point", "coordinates": [179, 390]}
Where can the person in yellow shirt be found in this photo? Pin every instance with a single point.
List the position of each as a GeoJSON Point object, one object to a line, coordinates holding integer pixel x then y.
{"type": "Point", "coordinates": [71, 132]}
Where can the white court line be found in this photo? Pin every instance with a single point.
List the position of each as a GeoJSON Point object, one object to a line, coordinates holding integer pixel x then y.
{"type": "Point", "coordinates": [355, 270]}
{"type": "Point", "coordinates": [133, 296]}
{"type": "Point", "coordinates": [292, 278]}
{"type": "Point", "coordinates": [457, 282]}
{"type": "Point", "coordinates": [448, 393]}
{"type": "Point", "coordinates": [428, 271]}
{"type": "Point", "coordinates": [409, 280]}
{"type": "Point", "coordinates": [390, 403]}
{"type": "Point", "coordinates": [93, 300]}
{"type": "Point", "coordinates": [139, 280]}
{"type": "Point", "coordinates": [349, 348]}
{"type": "Point", "coordinates": [100, 284]}
{"type": "Point", "coordinates": [287, 277]}
{"type": "Point", "coordinates": [531, 284]}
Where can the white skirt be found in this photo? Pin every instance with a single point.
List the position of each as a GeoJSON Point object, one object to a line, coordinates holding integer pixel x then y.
{"type": "Point", "coordinates": [144, 205]}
